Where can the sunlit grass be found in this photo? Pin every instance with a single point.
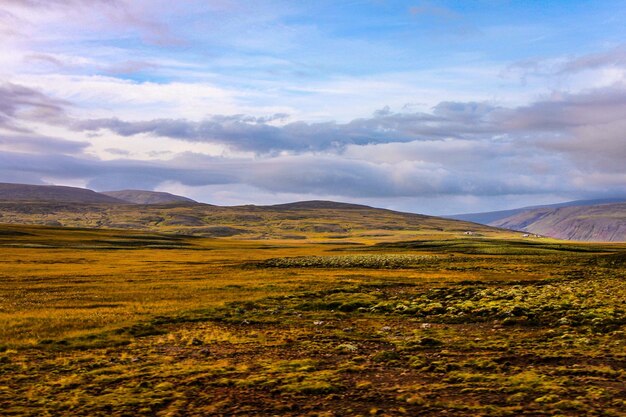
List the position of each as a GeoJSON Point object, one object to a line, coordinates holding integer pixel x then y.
{"type": "Point", "coordinates": [279, 327]}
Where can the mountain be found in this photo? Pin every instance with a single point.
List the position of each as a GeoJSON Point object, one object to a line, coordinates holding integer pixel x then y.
{"type": "Point", "coordinates": [158, 211]}
{"type": "Point", "coordinates": [593, 223]}
{"type": "Point", "coordinates": [147, 197]}
{"type": "Point", "coordinates": [52, 193]}
{"type": "Point", "coordinates": [491, 217]}
{"type": "Point", "coordinates": [326, 220]}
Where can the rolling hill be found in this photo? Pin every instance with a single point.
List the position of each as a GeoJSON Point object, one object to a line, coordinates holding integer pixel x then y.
{"type": "Point", "coordinates": [54, 193]}
{"type": "Point", "coordinates": [50, 193]}
{"type": "Point", "coordinates": [162, 212]}
{"type": "Point", "coordinates": [247, 222]}
{"type": "Point", "coordinates": [584, 220]}
{"type": "Point", "coordinates": [319, 204]}
{"type": "Point", "coordinates": [147, 197]}
{"type": "Point", "coordinates": [593, 223]}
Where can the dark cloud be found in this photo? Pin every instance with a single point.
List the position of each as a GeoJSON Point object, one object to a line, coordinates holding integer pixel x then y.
{"type": "Point", "coordinates": [564, 111]}
{"type": "Point", "coordinates": [109, 174]}
{"type": "Point", "coordinates": [359, 178]}
{"type": "Point", "coordinates": [240, 132]}
{"type": "Point", "coordinates": [302, 174]}
{"type": "Point", "coordinates": [557, 146]}
{"type": "Point", "coordinates": [585, 128]}
{"type": "Point", "coordinates": [41, 144]}
{"type": "Point", "coordinates": [19, 103]}
{"type": "Point", "coordinates": [259, 135]}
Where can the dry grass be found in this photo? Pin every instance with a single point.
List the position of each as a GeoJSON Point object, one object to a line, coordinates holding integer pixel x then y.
{"type": "Point", "coordinates": [105, 323]}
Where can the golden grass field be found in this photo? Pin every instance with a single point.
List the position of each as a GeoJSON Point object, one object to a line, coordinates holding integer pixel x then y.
{"type": "Point", "coordinates": [132, 323]}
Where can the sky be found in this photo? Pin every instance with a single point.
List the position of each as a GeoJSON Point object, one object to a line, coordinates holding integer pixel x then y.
{"type": "Point", "coordinates": [435, 107]}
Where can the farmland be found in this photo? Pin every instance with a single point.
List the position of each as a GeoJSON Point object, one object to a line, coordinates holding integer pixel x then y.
{"type": "Point", "coordinates": [126, 322]}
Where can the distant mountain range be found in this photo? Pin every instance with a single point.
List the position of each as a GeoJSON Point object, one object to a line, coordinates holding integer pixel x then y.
{"type": "Point", "coordinates": [586, 220]}
{"type": "Point", "coordinates": [147, 210]}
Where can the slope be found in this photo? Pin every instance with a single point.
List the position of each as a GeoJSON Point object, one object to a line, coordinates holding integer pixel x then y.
{"type": "Point", "coordinates": [48, 193]}
{"type": "Point", "coordinates": [333, 222]}
{"type": "Point", "coordinates": [490, 217]}
{"type": "Point", "coordinates": [147, 197]}
{"type": "Point", "coordinates": [596, 223]}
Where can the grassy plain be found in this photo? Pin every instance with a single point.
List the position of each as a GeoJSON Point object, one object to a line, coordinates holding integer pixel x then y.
{"type": "Point", "coordinates": [129, 323]}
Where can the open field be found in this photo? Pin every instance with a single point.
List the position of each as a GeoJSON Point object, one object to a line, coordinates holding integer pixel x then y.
{"type": "Point", "coordinates": [112, 323]}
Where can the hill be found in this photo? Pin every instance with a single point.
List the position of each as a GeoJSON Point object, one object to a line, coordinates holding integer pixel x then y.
{"type": "Point", "coordinates": [50, 193]}
{"type": "Point", "coordinates": [332, 222]}
{"type": "Point", "coordinates": [147, 197]}
{"type": "Point", "coordinates": [320, 204]}
{"type": "Point", "coordinates": [490, 217]}
{"type": "Point", "coordinates": [594, 223]}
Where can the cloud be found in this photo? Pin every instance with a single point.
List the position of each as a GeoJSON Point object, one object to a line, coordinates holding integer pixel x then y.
{"type": "Point", "coordinates": [118, 152]}
{"type": "Point", "coordinates": [130, 67]}
{"type": "Point", "coordinates": [599, 64]}
{"type": "Point", "coordinates": [360, 178]}
{"type": "Point", "coordinates": [138, 110]}
{"type": "Point", "coordinates": [262, 135]}
{"type": "Point", "coordinates": [554, 146]}
{"type": "Point", "coordinates": [614, 57]}
{"type": "Point", "coordinates": [297, 174]}
{"type": "Point", "coordinates": [564, 110]}
{"type": "Point", "coordinates": [22, 103]}
{"type": "Point", "coordinates": [41, 144]}
{"type": "Point", "coordinates": [46, 61]}
{"type": "Point", "coordinates": [561, 131]}
{"type": "Point", "coordinates": [550, 123]}
{"type": "Point", "coordinates": [91, 15]}
{"type": "Point", "coordinates": [112, 174]}
{"type": "Point", "coordinates": [588, 128]}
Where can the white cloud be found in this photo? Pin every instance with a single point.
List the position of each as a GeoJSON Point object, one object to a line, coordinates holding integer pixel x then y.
{"type": "Point", "coordinates": [146, 94]}
{"type": "Point", "coordinates": [101, 96]}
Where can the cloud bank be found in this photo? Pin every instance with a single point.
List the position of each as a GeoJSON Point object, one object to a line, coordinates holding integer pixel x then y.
{"type": "Point", "coordinates": [562, 145]}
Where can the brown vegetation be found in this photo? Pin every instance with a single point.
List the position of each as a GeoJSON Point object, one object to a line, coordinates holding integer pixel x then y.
{"type": "Point", "coordinates": [111, 322]}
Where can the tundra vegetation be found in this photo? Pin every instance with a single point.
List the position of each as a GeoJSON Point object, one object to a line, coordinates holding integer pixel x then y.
{"type": "Point", "coordinates": [130, 323]}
